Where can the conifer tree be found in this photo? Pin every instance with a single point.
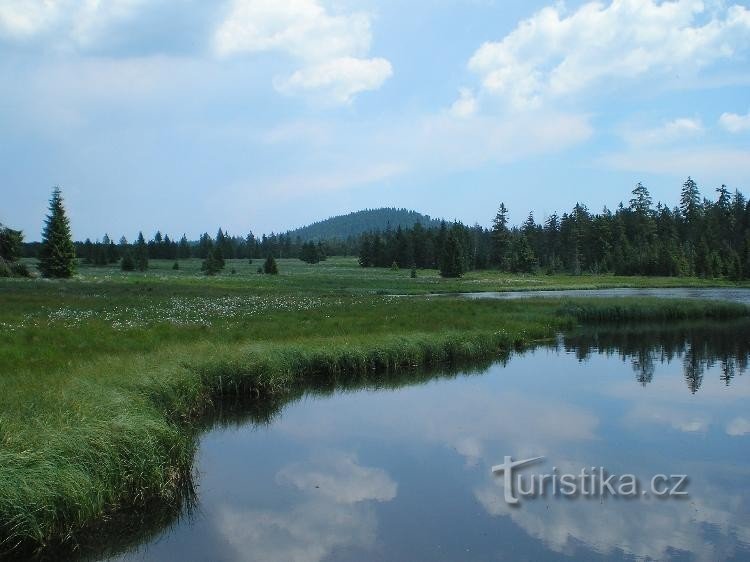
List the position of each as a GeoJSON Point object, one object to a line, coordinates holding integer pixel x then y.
{"type": "Point", "coordinates": [127, 263]}
{"type": "Point", "coordinates": [500, 237]}
{"type": "Point", "coordinates": [213, 263]}
{"type": "Point", "coordinates": [270, 267]}
{"type": "Point", "coordinates": [141, 253]}
{"type": "Point", "coordinates": [452, 260]}
{"type": "Point", "coordinates": [57, 256]}
{"type": "Point", "coordinates": [183, 250]}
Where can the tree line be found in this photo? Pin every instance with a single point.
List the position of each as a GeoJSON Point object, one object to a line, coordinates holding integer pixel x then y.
{"type": "Point", "coordinates": [698, 237]}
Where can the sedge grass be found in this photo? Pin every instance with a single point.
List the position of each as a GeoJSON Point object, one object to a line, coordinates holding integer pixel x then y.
{"type": "Point", "coordinates": [104, 381]}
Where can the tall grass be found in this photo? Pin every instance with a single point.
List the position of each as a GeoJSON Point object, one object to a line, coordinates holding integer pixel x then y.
{"type": "Point", "coordinates": [96, 419]}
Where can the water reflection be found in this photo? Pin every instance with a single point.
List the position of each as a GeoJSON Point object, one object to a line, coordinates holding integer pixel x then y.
{"type": "Point", "coordinates": [332, 511]}
{"type": "Point", "coordinates": [699, 348]}
{"type": "Point", "coordinates": [397, 467]}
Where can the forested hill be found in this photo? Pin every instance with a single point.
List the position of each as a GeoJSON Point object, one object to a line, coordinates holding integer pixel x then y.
{"type": "Point", "coordinates": [354, 224]}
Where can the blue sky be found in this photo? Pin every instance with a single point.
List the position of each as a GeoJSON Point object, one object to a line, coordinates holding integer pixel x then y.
{"type": "Point", "coordinates": [265, 115]}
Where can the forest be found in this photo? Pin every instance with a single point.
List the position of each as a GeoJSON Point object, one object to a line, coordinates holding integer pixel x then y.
{"type": "Point", "coordinates": [700, 237]}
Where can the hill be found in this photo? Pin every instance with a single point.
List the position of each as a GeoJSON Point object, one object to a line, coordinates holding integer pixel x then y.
{"type": "Point", "coordinates": [354, 224]}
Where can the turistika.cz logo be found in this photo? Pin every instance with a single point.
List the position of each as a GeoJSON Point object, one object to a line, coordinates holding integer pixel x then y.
{"type": "Point", "coordinates": [588, 482]}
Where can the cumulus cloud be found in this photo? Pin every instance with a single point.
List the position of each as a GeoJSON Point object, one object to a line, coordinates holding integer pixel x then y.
{"type": "Point", "coordinates": [676, 130]}
{"type": "Point", "coordinates": [555, 53]}
{"type": "Point", "coordinates": [79, 24]}
{"type": "Point", "coordinates": [330, 48]}
{"type": "Point", "coordinates": [465, 105]}
{"type": "Point", "coordinates": [735, 123]}
{"type": "Point", "coordinates": [333, 47]}
{"type": "Point", "coordinates": [332, 511]}
{"type": "Point", "coordinates": [340, 478]}
{"type": "Point", "coordinates": [340, 78]}
{"type": "Point", "coordinates": [652, 533]}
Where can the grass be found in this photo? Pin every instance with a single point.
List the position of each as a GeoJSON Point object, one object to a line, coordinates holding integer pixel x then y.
{"type": "Point", "coordinates": [105, 377]}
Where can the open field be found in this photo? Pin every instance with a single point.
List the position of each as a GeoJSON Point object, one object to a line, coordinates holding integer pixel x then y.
{"type": "Point", "coordinates": [105, 376]}
{"type": "Point", "coordinates": [341, 275]}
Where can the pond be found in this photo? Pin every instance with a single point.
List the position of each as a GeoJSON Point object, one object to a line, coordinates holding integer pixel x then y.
{"type": "Point", "coordinates": [741, 295]}
{"type": "Point", "coordinates": [402, 470]}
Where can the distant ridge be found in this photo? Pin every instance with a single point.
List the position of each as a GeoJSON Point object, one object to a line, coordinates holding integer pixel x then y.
{"type": "Point", "coordinates": [354, 224]}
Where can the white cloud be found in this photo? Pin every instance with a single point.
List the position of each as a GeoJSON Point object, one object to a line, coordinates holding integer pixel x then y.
{"type": "Point", "coordinates": [333, 47]}
{"type": "Point", "coordinates": [340, 478]}
{"type": "Point", "coordinates": [80, 23]}
{"type": "Point", "coordinates": [676, 130]}
{"type": "Point", "coordinates": [22, 19]}
{"type": "Point", "coordinates": [735, 123]}
{"type": "Point", "coordinates": [554, 54]}
{"type": "Point", "coordinates": [465, 105]}
{"type": "Point", "coordinates": [738, 427]}
{"type": "Point", "coordinates": [333, 510]}
{"type": "Point", "coordinates": [301, 28]}
{"type": "Point", "coordinates": [340, 79]}
{"type": "Point", "coordinates": [677, 418]}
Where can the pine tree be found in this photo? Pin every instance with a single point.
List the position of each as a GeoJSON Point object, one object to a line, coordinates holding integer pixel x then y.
{"type": "Point", "coordinates": [127, 263]}
{"type": "Point", "coordinates": [690, 210]}
{"type": "Point", "coordinates": [500, 237]}
{"type": "Point", "coordinates": [213, 263]}
{"type": "Point", "coordinates": [270, 267]}
{"type": "Point", "coordinates": [141, 253]}
{"type": "Point", "coordinates": [452, 259]}
{"type": "Point", "coordinates": [640, 204]}
{"type": "Point", "coordinates": [183, 250]}
{"type": "Point", "coordinates": [524, 259]}
{"type": "Point", "coordinates": [57, 256]}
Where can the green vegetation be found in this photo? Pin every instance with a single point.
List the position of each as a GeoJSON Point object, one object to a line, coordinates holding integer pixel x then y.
{"type": "Point", "coordinates": [270, 267]}
{"type": "Point", "coordinates": [106, 376]}
{"type": "Point", "coordinates": [355, 224]}
{"type": "Point", "coordinates": [699, 238]}
{"type": "Point", "coordinates": [57, 256]}
{"type": "Point", "coordinates": [10, 250]}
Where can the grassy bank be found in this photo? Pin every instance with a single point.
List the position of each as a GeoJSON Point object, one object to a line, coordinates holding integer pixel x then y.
{"type": "Point", "coordinates": [105, 378]}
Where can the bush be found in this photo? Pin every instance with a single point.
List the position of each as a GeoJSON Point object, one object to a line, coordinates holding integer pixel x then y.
{"type": "Point", "coordinates": [176, 266]}
{"type": "Point", "coordinates": [5, 270]}
{"type": "Point", "coordinates": [21, 270]}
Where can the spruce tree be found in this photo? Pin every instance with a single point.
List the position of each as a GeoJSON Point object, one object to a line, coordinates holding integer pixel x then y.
{"type": "Point", "coordinates": [213, 263]}
{"type": "Point", "coordinates": [500, 237]}
{"type": "Point", "coordinates": [141, 253]}
{"type": "Point", "coordinates": [452, 260]}
{"type": "Point", "coordinates": [57, 256]}
{"type": "Point", "coordinates": [270, 267]}
{"type": "Point", "coordinates": [127, 263]}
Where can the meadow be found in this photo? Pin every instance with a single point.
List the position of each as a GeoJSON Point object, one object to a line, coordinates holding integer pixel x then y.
{"type": "Point", "coordinates": [106, 377]}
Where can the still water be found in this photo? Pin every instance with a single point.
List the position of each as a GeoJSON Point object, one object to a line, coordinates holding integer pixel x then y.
{"type": "Point", "coordinates": [731, 294]}
{"type": "Point", "coordinates": [400, 471]}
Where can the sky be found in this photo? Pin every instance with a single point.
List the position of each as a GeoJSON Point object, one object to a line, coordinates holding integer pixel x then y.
{"type": "Point", "coordinates": [265, 115]}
